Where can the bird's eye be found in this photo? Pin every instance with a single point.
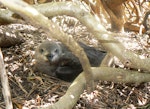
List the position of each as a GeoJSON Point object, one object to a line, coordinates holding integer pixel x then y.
{"type": "Point", "coordinates": [41, 50]}
{"type": "Point", "coordinates": [56, 51]}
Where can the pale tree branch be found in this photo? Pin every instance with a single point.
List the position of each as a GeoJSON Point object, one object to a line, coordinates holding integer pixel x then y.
{"type": "Point", "coordinates": [106, 38]}
{"type": "Point", "coordinates": [101, 73]}
{"type": "Point", "coordinates": [5, 84]}
{"type": "Point", "coordinates": [110, 44]}
{"type": "Point", "coordinates": [35, 18]}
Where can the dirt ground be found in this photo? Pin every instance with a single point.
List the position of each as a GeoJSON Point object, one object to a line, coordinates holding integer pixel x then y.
{"type": "Point", "coordinates": [30, 89]}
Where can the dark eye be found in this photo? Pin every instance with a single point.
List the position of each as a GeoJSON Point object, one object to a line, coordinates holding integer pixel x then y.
{"type": "Point", "coordinates": [41, 50]}
{"type": "Point", "coordinates": [56, 51]}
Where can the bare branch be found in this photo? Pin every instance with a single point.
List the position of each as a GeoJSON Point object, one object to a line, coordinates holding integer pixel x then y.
{"type": "Point", "coordinates": [102, 73]}
{"type": "Point", "coordinates": [6, 17]}
{"type": "Point", "coordinates": [106, 38]}
{"type": "Point", "coordinates": [5, 84]}
{"type": "Point", "coordinates": [34, 17]}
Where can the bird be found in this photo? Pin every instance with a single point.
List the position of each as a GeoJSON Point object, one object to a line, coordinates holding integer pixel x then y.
{"type": "Point", "coordinates": [55, 59]}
